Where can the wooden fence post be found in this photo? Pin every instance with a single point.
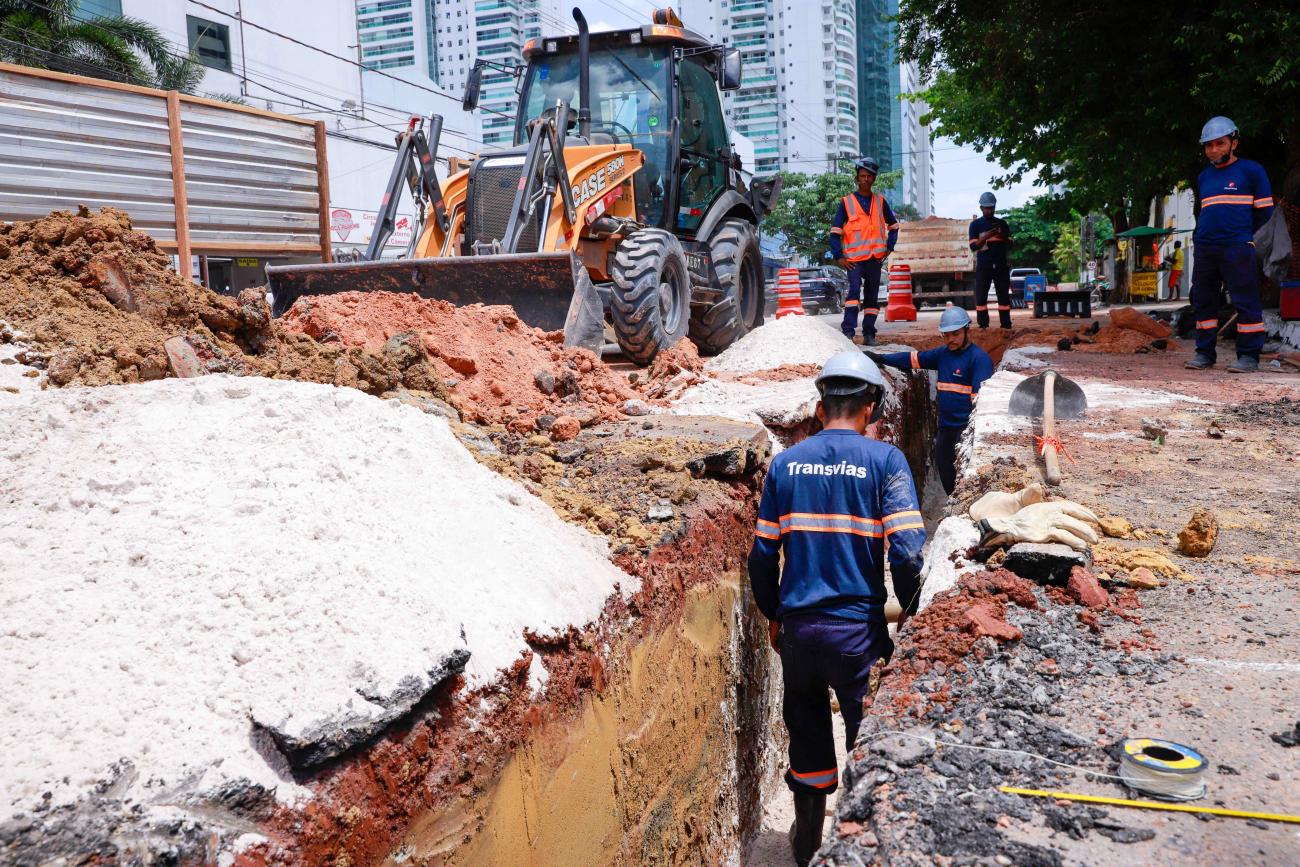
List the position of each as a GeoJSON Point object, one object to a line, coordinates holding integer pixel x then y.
{"type": "Point", "coordinates": [179, 196]}
{"type": "Point", "coordinates": [323, 182]}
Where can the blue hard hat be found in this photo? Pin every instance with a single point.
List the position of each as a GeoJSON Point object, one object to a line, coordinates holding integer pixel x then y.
{"type": "Point", "coordinates": [953, 319]}
{"type": "Point", "coordinates": [868, 163]}
{"type": "Point", "coordinates": [848, 373]}
{"type": "Point", "coordinates": [988, 200]}
{"type": "Point", "coordinates": [1217, 127]}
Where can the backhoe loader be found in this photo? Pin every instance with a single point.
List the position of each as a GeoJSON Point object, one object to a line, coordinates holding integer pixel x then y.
{"type": "Point", "coordinates": [621, 201]}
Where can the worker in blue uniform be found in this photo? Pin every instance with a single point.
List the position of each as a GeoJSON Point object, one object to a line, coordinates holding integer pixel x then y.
{"type": "Point", "coordinates": [863, 234]}
{"type": "Point", "coordinates": [1236, 200]}
{"type": "Point", "coordinates": [829, 504]}
{"type": "Point", "coordinates": [990, 236]}
{"type": "Point", "coordinates": [962, 367]}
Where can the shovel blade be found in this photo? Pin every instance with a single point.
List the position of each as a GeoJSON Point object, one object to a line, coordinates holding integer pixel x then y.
{"type": "Point", "coordinates": [1069, 401]}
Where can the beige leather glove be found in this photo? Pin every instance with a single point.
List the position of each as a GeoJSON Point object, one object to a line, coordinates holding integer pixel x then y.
{"type": "Point", "coordinates": [1058, 521]}
{"type": "Point", "coordinates": [1000, 504]}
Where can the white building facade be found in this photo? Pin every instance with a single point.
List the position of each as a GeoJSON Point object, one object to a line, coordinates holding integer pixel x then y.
{"type": "Point", "coordinates": [363, 67]}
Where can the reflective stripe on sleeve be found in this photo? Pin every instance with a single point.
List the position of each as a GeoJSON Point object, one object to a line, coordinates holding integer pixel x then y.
{"type": "Point", "coordinates": [817, 779]}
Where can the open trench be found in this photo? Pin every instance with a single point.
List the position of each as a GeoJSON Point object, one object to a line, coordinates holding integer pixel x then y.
{"type": "Point", "coordinates": [656, 738]}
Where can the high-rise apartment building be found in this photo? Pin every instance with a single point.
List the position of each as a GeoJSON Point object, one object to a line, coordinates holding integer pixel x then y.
{"type": "Point", "coordinates": [798, 101]}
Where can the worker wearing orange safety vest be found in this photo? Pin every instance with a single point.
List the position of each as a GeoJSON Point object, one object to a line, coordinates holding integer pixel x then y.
{"type": "Point", "coordinates": [863, 235]}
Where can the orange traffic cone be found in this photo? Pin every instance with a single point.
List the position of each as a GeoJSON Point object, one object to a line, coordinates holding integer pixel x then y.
{"type": "Point", "coordinates": [789, 300]}
{"type": "Point", "coordinates": [900, 308]}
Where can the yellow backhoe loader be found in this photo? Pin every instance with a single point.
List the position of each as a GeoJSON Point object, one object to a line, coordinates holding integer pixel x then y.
{"type": "Point", "coordinates": [621, 201]}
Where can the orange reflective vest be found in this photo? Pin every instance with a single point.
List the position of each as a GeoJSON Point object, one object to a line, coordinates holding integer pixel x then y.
{"type": "Point", "coordinates": [865, 235]}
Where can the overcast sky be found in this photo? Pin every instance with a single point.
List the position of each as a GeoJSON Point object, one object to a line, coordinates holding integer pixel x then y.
{"type": "Point", "coordinates": [961, 174]}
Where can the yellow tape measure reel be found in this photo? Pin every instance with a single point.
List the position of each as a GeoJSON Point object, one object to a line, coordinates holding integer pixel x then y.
{"type": "Point", "coordinates": [1163, 768]}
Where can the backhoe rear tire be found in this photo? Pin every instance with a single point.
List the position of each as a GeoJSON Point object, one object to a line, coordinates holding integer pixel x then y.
{"type": "Point", "coordinates": [650, 303]}
{"type": "Point", "coordinates": [738, 262]}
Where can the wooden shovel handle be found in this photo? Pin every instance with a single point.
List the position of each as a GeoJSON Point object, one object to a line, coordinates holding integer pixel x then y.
{"type": "Point", "coordinates": [1051, 460]}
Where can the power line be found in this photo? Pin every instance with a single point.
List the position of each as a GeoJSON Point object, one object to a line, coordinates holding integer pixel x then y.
{"type": "Point", "coordinates": [339, 57]}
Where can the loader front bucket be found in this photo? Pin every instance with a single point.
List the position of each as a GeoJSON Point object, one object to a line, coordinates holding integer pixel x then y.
{"type": "Point", "coordinates": [551, 291]}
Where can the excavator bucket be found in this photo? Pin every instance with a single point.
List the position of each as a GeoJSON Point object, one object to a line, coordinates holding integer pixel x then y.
{"type": "Point", "coordinates": [551, 291]}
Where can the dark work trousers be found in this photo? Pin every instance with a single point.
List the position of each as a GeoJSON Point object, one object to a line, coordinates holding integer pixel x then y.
{"type": "Point", "coordinates": [999, 275]}
{"type": "Point", "coordinates": [864, 292]}
{"type": "Point", "coordinates": [1231, 266]}
{"type": "Point", "coordinates": [820, 652]}
{"type": "Point", "coordinates": [945, 456]}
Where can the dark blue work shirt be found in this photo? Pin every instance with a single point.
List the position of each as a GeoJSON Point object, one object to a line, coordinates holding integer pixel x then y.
{"type": "Point", "coordinates": [830, 502]}
{"type": "Point", "coordinates": [960, 376]}
{"type": "Point", "coordinates": [995, 250]}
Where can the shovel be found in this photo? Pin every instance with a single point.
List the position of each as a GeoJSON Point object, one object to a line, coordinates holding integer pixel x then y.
{"type": "Point", "coordinates": [1049, 396]}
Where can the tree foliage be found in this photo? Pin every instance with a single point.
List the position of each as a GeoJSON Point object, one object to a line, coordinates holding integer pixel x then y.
{"type": "Point", "coordinates": [807, 205]}
{"type": "Point", "coordinates": [48, 34]}
{"type": "Point", "coordinates": [1108, 97]}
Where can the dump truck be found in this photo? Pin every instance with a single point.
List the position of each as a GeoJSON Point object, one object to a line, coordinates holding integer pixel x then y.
{"type": "Point", "coordinates": [620, 204]}
{"type": "Point", "coordinates": [943, 266]}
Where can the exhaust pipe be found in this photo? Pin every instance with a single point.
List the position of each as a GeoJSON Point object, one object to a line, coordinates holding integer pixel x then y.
{"type": "Point", "coordinates": [584, 76]}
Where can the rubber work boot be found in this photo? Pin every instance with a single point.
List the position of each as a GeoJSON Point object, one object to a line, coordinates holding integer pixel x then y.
{"type": "Point", "coordinates": [868, 340]}
{"type": "Point", "coordinates": [1200, 362]}
{"type": "Point", "coordinates": [806, 832]}
{"type": "Point", "coordinates": [1244, 364]}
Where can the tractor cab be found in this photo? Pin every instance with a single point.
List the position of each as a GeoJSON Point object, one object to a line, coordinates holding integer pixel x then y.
{"type": "Point", "coordinates": [653, 87]}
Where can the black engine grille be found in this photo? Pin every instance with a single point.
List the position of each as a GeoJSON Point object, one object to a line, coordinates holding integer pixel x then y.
{"type": "Point", "coordinates": [492, 197]}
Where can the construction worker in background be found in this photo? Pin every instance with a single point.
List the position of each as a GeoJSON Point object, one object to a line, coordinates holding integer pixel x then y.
{"type": "Point", "coordinates": [1235, 201]}
{"type": "Point", "coordinates": [990, 237]}
{"type": "Point", "coordinates": [830, 502]}
{"type": "Point", "coordinates": [863, 235]}
{"type": "Point", "coordinates": [962, 368]}
{"type": "Point", "coordinates": [1176, 272]}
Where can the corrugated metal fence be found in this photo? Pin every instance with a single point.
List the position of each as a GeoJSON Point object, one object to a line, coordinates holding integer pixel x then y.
{"type": "Point", "coordinates": [199, 176]}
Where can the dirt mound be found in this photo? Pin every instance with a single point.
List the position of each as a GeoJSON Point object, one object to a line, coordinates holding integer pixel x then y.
{"type": "Point", "coordinates": [497, 369]}
{"type": "Point", "coordinates": [97, 301]}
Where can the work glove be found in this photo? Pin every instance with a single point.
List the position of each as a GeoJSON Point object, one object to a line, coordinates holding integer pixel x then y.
{"type": "Point", "coordinates": [877, 357]}
{"type": "Point", "coordinates": [1058, 521]}
{"type": "Point", "coordinates": [1000, 504]}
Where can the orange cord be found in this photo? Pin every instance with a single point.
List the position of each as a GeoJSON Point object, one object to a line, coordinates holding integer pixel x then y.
{"type": "Point", "coordinates": [1044, 443]}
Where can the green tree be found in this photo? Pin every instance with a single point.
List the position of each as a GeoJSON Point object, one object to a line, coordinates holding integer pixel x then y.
{"type": "Point", "coordinates": [1108, 97]}
{"type": "Point", "coordinates": [1065, 253]}
{"type": "Point", "coordinates": [907, 212]}
{"type": "Point", "coordinates": [807, 205]}
{"type": "Point", "coordinates": [48, 34]}
{"type": "Point", "coordinates": [1035, 226]}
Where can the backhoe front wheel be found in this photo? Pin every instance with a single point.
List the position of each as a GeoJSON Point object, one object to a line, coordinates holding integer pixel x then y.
{"type": "Point", "coordinates": [650, 303]}
{"type": "Point", "coordinates": [738, 262]}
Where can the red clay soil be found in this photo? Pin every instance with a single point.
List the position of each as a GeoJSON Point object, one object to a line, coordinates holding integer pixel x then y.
{"type": "Point", "coordinates": [1126, 332]}
{"type": "Point", "coordinates": [97, 300]}
{"type": "Point", "coordinates": [450, 750]}
{"type": "Point", "coordinates": [497, 369]}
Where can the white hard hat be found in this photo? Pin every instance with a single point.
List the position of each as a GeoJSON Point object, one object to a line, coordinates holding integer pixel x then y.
{"type": "Point", "coordinates": [848, 373]}
{"type": "Point", "coordinates": [1217, 127]}
{"type": "Point", "coordinates": [953, 319]}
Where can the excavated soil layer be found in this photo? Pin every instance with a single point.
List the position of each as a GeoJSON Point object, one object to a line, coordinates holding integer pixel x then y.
{"type": "Point", "coordinates": [642, 743]}
{"type": "Point", "coordinates": [1127, 331]}
{"type": "Point", "coordinates": [97, 301]}
{"type": "Point", "coordinates": [498, 370]}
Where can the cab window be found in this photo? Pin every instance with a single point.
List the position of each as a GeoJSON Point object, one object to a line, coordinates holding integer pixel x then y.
{"type": "Point", "coordinates": [703, 143]}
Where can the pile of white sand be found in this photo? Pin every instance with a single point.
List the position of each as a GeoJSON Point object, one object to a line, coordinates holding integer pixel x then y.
{"type": "Point", "coordinates": [789, 340]}
{"type": "Point", "coordinates": [181, 558]}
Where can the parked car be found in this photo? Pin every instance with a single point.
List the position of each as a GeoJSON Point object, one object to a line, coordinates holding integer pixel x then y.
{"type": "Point", "coordinates": [1018, 276]}
{"type": "Point", "coordinates": [822, 295]}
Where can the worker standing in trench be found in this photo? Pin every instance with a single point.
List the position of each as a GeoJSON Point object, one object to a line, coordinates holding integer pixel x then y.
{"type": "Point", "coordinates": [829, 503]}
{"type": "Point", "coordinates": [962, 367]}
{"type": "Point", "coordinates": [863, 235]}
{"type": "Point", "coordinates": [990, 236]}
